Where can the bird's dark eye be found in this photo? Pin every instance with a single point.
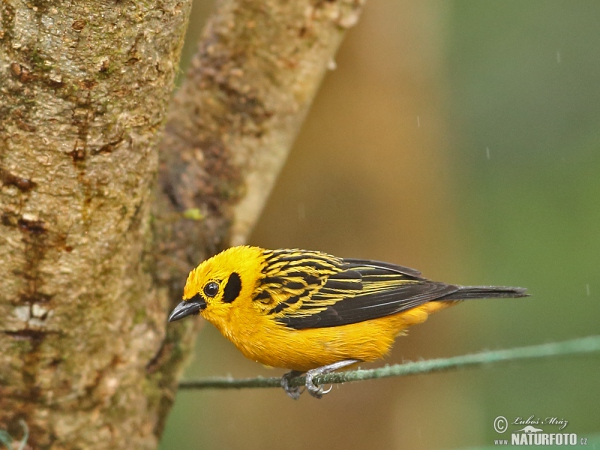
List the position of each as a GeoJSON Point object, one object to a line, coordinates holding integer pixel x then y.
{"type": "Point", "coordinates": [211, 289]}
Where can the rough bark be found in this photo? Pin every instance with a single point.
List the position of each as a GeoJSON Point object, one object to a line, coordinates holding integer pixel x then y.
{"type": "Point", "coordinates": [245, 96]}
{"type": "Point", "coordinates": [87, 269]}
{"type": "Point", "coordinates": [84, 87]}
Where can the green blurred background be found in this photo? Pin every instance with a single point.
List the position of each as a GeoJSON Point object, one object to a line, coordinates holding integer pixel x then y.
{"type": "Point", "coordinates": [461, 138]}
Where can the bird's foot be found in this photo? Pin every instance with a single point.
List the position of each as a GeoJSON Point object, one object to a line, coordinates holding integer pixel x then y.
{"type": "Point", "coordinates": [292, 391]}
{"type": "Point", "coordinates": [316, 390]}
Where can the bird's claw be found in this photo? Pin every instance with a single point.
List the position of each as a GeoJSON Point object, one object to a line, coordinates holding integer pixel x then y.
{"type": "Point", "coordinates": [314, 389]}
{"type": "Point", "coordinates": [293, 391]}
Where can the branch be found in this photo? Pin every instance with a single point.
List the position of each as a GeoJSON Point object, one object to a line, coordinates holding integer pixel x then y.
{"type": "Point", "coordinates": [580, 346]}
{"type": "Point", "coordinates": [230, 127]}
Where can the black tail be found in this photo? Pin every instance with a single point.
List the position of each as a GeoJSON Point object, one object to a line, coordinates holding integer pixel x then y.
{"type": "Point", "coordinates": [469, 292]}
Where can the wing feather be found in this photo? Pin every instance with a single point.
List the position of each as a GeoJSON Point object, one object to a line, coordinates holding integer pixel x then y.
{"type": "Point", "coordinates": [304, 289]}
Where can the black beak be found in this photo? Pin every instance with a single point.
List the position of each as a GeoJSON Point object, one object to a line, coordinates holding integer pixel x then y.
{"type": "Point", "coordinates": [186, 308]}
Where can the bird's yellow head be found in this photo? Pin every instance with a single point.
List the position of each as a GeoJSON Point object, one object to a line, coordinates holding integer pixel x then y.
{"type": "Point", "coordinates": [220, 284]}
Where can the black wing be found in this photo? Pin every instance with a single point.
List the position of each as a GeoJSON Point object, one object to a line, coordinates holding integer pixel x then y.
{"type": "Point", "coordinates": [340, 291]}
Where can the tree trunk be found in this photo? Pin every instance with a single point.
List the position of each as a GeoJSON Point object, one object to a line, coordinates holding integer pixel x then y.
{"type": "Point", "coordinates": [91, 259]}
{"type": "Point", "coordinates": [84, 90]}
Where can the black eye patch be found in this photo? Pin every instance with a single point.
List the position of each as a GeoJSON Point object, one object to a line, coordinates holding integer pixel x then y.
{"type": "Point", "coordinates": [211, 289]}
{"type": "Point", "coordinates": [232, 288]}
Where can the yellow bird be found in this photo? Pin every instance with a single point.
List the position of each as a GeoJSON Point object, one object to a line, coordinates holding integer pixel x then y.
{"type": "Point", "coordinates": [312, 312]}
